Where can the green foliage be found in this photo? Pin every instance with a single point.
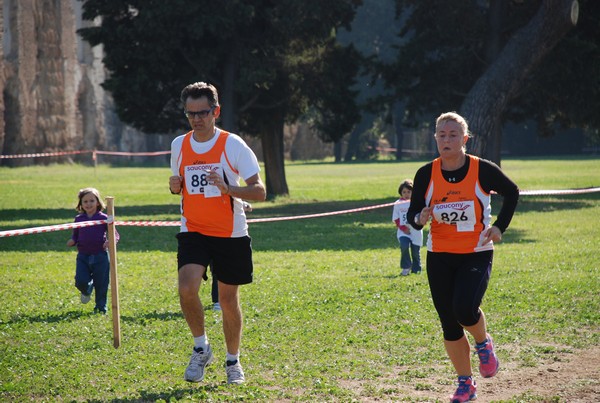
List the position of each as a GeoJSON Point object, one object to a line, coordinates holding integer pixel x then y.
{"type": "Point", "coordinates": [328, 317]}
{"type": "Point", "coordinates": [334, 100]}
{"type": "Point", "coordinates": [441, 55]}
{"type": "Point", "coordinates": [571, 101]}
{"type": "Point", "coordinates": [447, 46]}
{"type": "Point", "coordinates": [270, 61]}
{"type": "Point", "coordinates": [264, 57]}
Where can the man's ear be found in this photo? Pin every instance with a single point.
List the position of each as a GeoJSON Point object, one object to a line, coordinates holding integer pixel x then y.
{"type": "Point", "coordinates": [217, 111]}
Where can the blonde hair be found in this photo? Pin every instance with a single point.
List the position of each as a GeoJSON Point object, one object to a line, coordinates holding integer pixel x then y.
{"type": "Point", "coordinates": [455, 117]}
{"type": "Point", "coordinates": [85, 191]}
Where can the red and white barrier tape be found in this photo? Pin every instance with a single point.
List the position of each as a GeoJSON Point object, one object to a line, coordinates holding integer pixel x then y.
{"type": "Point", "coordinates": [60, 227]}
{"type": "Point", "coordinates": [559, 192]}
{"type": "Point", "coordinates": [154, 153]}
{"type": "Point", "coordinates": [299, 217]}
{"type": "Point", "coordinates": [148, 223]}
{"type": "Point", "coordinates": [94, 152]}
{"type": "Point", "coordinates": [54, 154]}
{"type": "Point", "coordinates": [51, 228]}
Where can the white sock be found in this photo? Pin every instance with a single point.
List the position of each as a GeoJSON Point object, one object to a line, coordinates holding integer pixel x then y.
{"type": "Point", "coordinates": [201, 341]}
{"type": "Point", "coordinates": [232, 357]}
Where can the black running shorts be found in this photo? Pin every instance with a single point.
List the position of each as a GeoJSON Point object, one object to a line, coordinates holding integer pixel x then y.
{"type": "Point", "coordinates": [230, 258]}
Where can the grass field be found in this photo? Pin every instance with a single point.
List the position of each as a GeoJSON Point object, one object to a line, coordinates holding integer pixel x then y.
{"type": "Point", "coordinates": [327, 311]}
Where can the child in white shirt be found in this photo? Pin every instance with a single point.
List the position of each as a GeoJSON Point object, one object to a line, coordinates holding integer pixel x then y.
{"type": "Point", "coordinates": [409, 238]}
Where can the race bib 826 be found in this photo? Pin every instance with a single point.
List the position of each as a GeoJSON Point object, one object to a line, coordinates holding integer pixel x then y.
{"type": "Point", "coordinates": [461, 214]}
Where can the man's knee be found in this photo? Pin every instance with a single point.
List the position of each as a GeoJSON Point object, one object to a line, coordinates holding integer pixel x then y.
{"type": "Point", "coordinates": [190, 277]}
{"type": "Point", "coordinates": [228, 296]}
{"type": "Point", "coordinates": [187, 291]}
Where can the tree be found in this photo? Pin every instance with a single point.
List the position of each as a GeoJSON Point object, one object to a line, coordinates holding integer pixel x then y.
{"type": "Point", "coordinates": [298, 41]}
{"type": "Point", "coordinates": [486, 60]}
{"type": "Point", "coordinates": [374, 34]}
{"type": "Point", "coordinates": [335, 100]}
{"type": "Point", "coordinates": [264, 56]}
{"type": "Point", "coordinates": [488, 99]}
{"type": "Point", "coordinates": [567, 84]}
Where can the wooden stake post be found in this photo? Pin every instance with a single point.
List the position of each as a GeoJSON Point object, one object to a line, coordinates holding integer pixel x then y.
{"type": "Point", "coordinates": [114, 284]}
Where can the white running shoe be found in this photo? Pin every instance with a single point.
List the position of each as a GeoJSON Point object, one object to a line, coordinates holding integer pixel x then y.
{"type": "Point", "coordinates": [199, 360]}
{"type": "Point", "coordinates": [405, 272]}
{"type": "Point", "coordinates": [216, 306]}
{"type": "Point", "coordinates": [235, 373]}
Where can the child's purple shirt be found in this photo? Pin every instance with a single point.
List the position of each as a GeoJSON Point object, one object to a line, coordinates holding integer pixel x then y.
{"type": "Point", "coordinates": [90, 240]}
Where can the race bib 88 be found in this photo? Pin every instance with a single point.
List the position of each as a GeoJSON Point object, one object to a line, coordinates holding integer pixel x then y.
{"type": "Point", "coordinates": [196, 179]}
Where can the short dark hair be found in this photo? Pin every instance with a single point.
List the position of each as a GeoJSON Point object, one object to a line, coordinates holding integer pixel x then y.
{"type": "Point", "coordinates": [198, 90]}
{"type": "Point", "coordinates": [407, 183]}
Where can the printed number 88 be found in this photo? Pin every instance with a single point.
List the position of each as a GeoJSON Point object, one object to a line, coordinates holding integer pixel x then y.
{"type": "Point", "coordinates": [199, 180]}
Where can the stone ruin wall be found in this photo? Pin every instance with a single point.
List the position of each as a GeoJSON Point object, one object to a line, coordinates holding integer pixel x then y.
{"type": "Point", "coordinates": [50, 80]}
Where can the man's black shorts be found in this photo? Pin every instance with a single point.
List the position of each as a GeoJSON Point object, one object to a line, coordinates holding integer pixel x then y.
{"type": "Point", "coordinates": [230, 258]}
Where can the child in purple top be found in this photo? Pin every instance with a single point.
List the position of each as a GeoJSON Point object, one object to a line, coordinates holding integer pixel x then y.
{"type": "Point", "coordinates": [92, 266]}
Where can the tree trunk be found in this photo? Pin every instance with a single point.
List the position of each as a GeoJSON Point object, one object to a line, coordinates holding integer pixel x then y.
{"type": "Point", "coordinates": [497, 23]}
{"type": "Point", "coordinates": [337, 150]}
{"type": "Point", "coordinates": [2, 81]}
{"type": "Point", "coordinates": [496, 138]}
{"type": "Point", "coordinates": [486, 101]}
{"type": "Point", "coordinates": [397, 118]}
{"type": "Point", "coordinates": [353, 144]}
{"type": "Point", "coordinates": [272, 148]}
{"type": "Point", "coordinates": [227, 101]}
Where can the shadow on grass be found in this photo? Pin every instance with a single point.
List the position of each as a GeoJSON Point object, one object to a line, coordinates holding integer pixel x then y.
{"type": "Point", "coordinates": [200, 392]}
{"type": "Point", "coordinates": [67, 316]}
{"type": "Point", "coordinates": [40, 216]}
{"type": "Point", "coordinates": [362, 230]}
{"type": "Point", "coordinates": [513, 235]}
{"type": "Point", "coordinates": [557, 203]}
{"type": "Point", "coordinates": [305, 234]}
{"type": "Point", "coordinates": [144, 319]}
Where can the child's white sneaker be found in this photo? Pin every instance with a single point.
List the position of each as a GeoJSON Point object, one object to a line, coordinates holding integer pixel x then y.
{"type": "Point", "coordinates": [85, 298]}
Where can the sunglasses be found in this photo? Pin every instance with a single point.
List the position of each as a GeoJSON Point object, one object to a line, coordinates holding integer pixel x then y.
{"type": "Point", "coordinates": [199, 114]}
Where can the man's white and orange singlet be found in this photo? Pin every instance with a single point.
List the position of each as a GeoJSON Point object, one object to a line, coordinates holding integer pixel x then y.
{"type": "Point", "coordinates": [203, 208]}
{"type": "Point", "coordinates": [461, 211]}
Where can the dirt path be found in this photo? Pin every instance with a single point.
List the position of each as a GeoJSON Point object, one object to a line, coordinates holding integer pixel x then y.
{"type": "Point", "coordinates": [573, 378]}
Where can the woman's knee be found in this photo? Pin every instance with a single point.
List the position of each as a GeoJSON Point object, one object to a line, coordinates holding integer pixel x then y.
{"type": "Point", "coordinates": [468, 316]}
{"type": "Point", "coordinates": [453, 332]}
